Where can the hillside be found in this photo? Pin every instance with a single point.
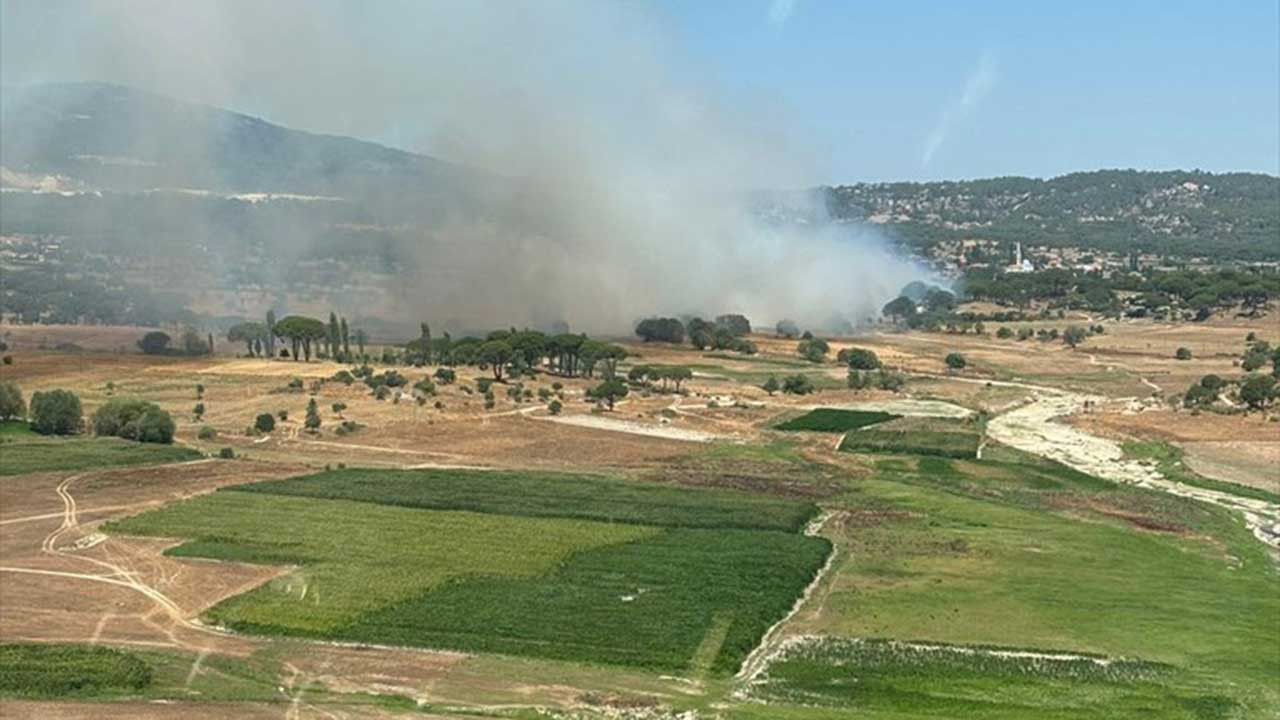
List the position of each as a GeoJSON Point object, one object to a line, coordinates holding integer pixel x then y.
{"type": "Point", "coordinates": [1182, 213]}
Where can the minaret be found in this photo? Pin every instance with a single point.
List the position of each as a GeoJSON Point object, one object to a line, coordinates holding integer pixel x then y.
{"type": "Point", "coordinates": [1017, 249]}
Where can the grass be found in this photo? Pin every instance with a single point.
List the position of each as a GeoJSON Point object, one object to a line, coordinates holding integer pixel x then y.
{"type": "Point", "coordinates": [1168, 459]}
{"type": "Point", "coordinates": [650, 603]}
{"type": "Point", "coordinates": [386, 570]}
{"type": "Point", "coordinates": [357, 557]}
{"type": "Point", "coordinates": [949, 681]}
{"type": "Point", "coordinates": [540, 494]}
{"type": "Point", "coordinates": [913, 442]}
{"type": "Point", "coordinates": [46, 671]}
{"type": "Point", "coordinates": [1026, 553]}
{"type": "Point", "coordinates": [27, 452]}
{"type": "Point", "coordinates": [835, 421]}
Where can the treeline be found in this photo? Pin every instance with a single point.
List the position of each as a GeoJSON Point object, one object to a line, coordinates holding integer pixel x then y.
{"type": "Point", "coordinates": [56, 297]}
{"type": "Point", "coordinates": [1174, 213]}
{"type": "Point", "coordinates": [1202, 293]}
{"type": "Point", "coordinates": [726, 332]}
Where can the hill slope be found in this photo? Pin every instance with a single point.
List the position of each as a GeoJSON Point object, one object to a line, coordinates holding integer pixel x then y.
{"type": "Point", "coordinates": [1186, 213]}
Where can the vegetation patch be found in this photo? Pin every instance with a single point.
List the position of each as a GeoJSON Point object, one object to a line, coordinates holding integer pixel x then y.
{"type": "Point", "coordinates": [1168, 458]}
{"type": "Point", "coordinates": [536, 494]}
{"type": "Point", "coordinates": [833, 420]}
{"type": "Point", "coordinates": [43, 671]}
{"type": "Point", "coordinates": [913, 442]}
{"type": "Point", "coordinates": [938, 680]}
{"type": "Point", "coordinates": [28, 452]}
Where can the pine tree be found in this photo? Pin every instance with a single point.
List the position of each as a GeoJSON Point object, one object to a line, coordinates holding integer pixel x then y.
{"type": "Point", "coordinates": [271, 333]}
{"type": "Point", "coordinates": [333, 335]}
{"type": "Point", "coordinates": [313, 416]}
{"type": "Point", "coordinates": [346, 338]}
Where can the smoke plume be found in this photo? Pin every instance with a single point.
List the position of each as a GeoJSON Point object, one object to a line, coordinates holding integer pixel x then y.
{"type": "Point", "coordinates": [631, 183]}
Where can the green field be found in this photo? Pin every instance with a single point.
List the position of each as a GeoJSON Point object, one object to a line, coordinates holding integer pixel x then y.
{"type": "Point", "coordinates": [833, 420]}
{"type": "Point", "coordinates": [511, 579]}
{"type": "Point", "coordinates": [941, 437]}
{"type": "Point", "coordinates": [945, 681]}
{"type": "Point", "coordinates": [534, 494]}
{"type": "Point", "coordinates": [23, 451]}
{"type": "Point", "coordinates": [1018, 552]}
{"type": "Point", "coordinates": [46, 671]}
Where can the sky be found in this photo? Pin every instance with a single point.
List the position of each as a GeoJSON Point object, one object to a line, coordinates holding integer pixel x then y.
{"type": "Point", "coordinates": [908, 90]}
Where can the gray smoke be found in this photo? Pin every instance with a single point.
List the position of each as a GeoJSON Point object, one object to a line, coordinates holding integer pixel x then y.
{"type": "Point", "coordinates": [638, 177]}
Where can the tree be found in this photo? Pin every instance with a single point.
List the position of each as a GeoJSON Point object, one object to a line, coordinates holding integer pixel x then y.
{"type": "Point", "coordinates": [701, 333]}
{"type": "Point", "coordinates": [198, 411]}
{"type": "Point", "coordinates": [1256, 391]}
{"type": "Point", "coordinates": [266, 422]}
{"type": "Point", "coordinates": [661, 330]}
{"type": "Point", "coordinates": [338, 407]}
{"type": "Point", "coordinates": [134, 419]}
{"type": "Point", "coordinates": [56, 412]}
{"type": "Point", "coordinates": [1074, 335]}
{"type": "Point", "coordinates": [362, 339]}
{"type": "Point", "coordinates": [788, 329]}
{"type": "Point", "coordinates": [939, 300]}
{"type": "Point", "coordinates": [609, 391]}
{"type": "Point", "coordinates": [312, 422]}
{"type": "Point", "coordinates": [271, 337]}
{"type": "Point", "coordinates": [899, 309]}
{"type": "Point", "coordinates": [497, 354]}
{"type": "Point", "coordinates": [955, 361]}
{"type": "Point", "coordinates": [737, 325]}
{"type": "Point", "coordinates": [860, 359]}
{"type": "Point", "coordinates": [154, 343]}
{"type": "Point", "coordinates": [797, 385]}
{"type": "Point", "coordinates": [771, 385]}
{"type": "Point", "coordinates": [249, 333]}
{"type": "Point", "coordinates": [335, 335]}
{"type": "Point", "coordinates": [1182, 353]}
{"type": "Point", "coordinates": [300, 331]}
{"type": "Point", "coordinates": [813, 349]}
{"type": "Point", "coordinates": [1004, 333]}
{"type": "Point", "coordinates": [346, 337]}
{"type": "Point", "coordinates": [445, 376]}
{"type": "Point", "coordinates": [12, 406]}
{"type": "Point", "coordinates": [554, 407]}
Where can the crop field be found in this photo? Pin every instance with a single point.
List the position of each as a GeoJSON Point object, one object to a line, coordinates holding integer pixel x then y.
{"type": "Point", "coordinates": [835, 421]}
{"type": "Point", "coordinates": [69, 671]}
{"type": "Point", "coordinates": [23, 451]}
{"type": "Point", "coordinates": [932, 680]}
{"type": "Point", "coordinates": [691, 591]}
{"type": "Point", "coordinates": [535, 494]}
{"type": "Point", "coordinates": [932, 436]}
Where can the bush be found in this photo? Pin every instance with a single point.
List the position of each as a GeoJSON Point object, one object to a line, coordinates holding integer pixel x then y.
{"type": "Point", "coordinates": [133, 419]}
{"type": "Point", "coordinates": [891, 381]}
{"type": "Point", "coordinates": [483, 385]}
{"type": "Point", "coordinates": [859, 358]}
{"type": "Point", "coordinates": [955, 361]}
{"type": "Point", "coordinates": [154, 343]}
{"type": "Point", "coordinates": [554, 407]}
{"type": "Point", "coordinates": [8, 359]}
{"type": "Point", "coordinates": [344, 376]}
{"type": "Point", "coordinates": [445, 376]}
{"type": "Point", "coordinates": [265, 422]}
{"type": "Point", "coordinates": [813, 349]}
{"type": "Point", "coordinates": [198, 411]}
{"type": "Point", "coordinates": [1182, 353]}
{"type": "Point", "coordinates": [207, 433]}
{"type": "Point", "coordinates": [797, 385]}
{"type": "Point", "coordinates": [56, 412]}
{"type": "Point", "coordinates": [12, 406]}
{"type": "Point", "coordinates": [282, 415]}
{"type": "Point", "coordinates": [227, 453]}
{"type": "Point", "coordinates": [424, 387]}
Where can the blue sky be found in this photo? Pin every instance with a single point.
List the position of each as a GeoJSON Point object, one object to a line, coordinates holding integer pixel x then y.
{"type": "Point", "coordinates": [906, 90]}
{"type": "Point", "coordinates": [1052, 87]}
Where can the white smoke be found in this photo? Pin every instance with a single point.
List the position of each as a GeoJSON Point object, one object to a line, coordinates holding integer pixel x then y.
{"type": "Point", "coordinates": [976, 87]}
{"type": "Point", "coordinates": [636, 165]}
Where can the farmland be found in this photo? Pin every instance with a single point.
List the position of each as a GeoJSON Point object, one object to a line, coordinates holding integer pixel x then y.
{"type": "Point", "coordinates": [833, 420]}
{"type": "Point", "coordinates": [69, 671]}
{"type": "Point", "coordinates": [484, 561]}
{"type": "Point", "coordinates": [495, 578]}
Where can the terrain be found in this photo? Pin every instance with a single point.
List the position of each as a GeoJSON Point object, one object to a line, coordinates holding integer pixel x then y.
{"type": "Point", "coordinates": [1039, 534]}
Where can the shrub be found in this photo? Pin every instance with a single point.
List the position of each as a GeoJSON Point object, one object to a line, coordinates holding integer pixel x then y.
{"type": "Point", "coordinates": [265, 422]}
{"type": "Point", "coordinates": [133, 419]}
{"type": "Point", "coordinates": [424, 387]}
{"type": "Point", "coordinates": [338, 407]}
{"type": "Point", "coordinates": [891, 381]}
{"type": "Point", "coordinates": [56, 412]}
{"type": "Point", "coordinates": [12, 406]}
{"type": "Point", "coordinates": [1183, 353]}
{"type": "Point", "coordinates": [154, 343]}
{"type": "Point", "coordinates": [1004, 333]}
{"type": "Point", "coordinates": [8, 360]}
{"type": "Point", "coordinates": [227, 453]}
{"type": "Point", "coordinates": [282, 414]}
{"type": "Point", "coordinates": [859, 358]}
{"type": "Point", "coordinates": [797, 385]}
{"type": "Point", "coordinates": [859, 379]}
{"type": "Point", "coordinates": [207, 433]}
{"type": "Point", "coordinates": [198, 411]}
{"type": "Point", "coordinates": [813, 349]}
{"type": "Point", "coordinates": [955, 361]}
{"type": "Point", "coordinates": [344, 376]}
{"type": "Point", "coordinates": [445, 376]}
{"type": "Point", "coordinates": [554, 407]}
{"type": "Point", "coordinates": [771, 385]}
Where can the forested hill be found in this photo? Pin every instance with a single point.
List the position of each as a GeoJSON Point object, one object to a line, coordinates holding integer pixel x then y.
{"type": "Point", "coordinates": [1179, 213]}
